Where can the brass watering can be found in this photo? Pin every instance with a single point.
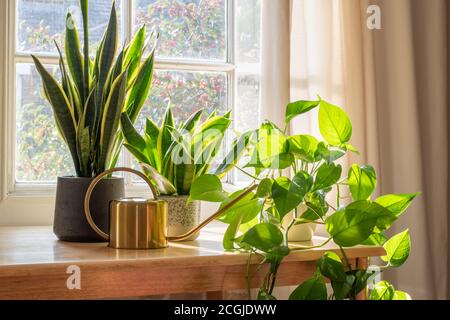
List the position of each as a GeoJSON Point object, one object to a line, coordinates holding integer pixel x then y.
{"type": "Point", "coordinates": [136, 223]}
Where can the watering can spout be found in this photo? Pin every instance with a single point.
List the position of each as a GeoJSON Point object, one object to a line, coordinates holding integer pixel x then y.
{"type": "Point", "coordinates": [142, 224]}
{"type": "Point", "coordinates": [213, 217]}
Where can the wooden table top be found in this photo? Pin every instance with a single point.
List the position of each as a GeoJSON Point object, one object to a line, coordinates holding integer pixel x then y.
{"type": "Point", "coordinates": [28, 246]}
{"type": "Point", "coordinates": [34, 264]}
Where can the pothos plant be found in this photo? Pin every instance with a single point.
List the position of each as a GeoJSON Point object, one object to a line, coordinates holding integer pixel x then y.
{"type": "Point", "coordinates": [301, 171]}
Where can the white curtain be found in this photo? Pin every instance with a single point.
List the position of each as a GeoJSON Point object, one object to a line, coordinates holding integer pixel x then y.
{"type": "Point", "coordinates": [393, 83]}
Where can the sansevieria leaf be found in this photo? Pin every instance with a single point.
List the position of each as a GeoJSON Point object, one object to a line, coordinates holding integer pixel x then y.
{"type": "Point", "coordinates": [62, 110]}
{"type": "Point", "coordinates": [73, 55]}
{"type": "Point", "coordinates": [163, 185]}
{"type": "Point", "coordinates": [111, 118]}
{"type": "Point", "coordinates": [140, 88]}
{"type": "Point", "coordinates": [133, 52]}
{"type": "Point", "coordinates": [107, 52]}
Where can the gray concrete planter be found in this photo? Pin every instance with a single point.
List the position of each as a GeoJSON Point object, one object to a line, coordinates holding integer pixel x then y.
{"type": "Point", "coordinates": [69, 222]}
{"type": "Point", "coordinates": [182, 217]}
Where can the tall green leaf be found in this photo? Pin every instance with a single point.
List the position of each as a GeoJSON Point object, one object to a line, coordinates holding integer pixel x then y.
{"type": "Point", "coordinates": [152, 133]}
{"type": "Point", "coordinates": [73, 55]}
{"type": "Point", "coordinates": [140, 88]}
{"type": "Point", "coordinates": [107, 53]}
{"type": "Point", "coordinates": [63, 113]}
{"type": "Point", "coordinates": [133, 52]}
{"type": "Point", "coordinates": [165, 136]}
{"type": "Point", "coordinates": [192, 121]}
{"type": "Point", "coordinates": [162, 184]}
{"type": "Point", "coordinates": [131, 135]}
{"type": "Point", "coordinates": [111, 118]}
{"type": "Point", "coordinates": [86, 64]}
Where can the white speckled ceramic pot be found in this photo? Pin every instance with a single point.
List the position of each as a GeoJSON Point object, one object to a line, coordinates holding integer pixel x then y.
{"type": "Point", "coordinates": [301, 232]}
{"type": "Point", "coordinates": [182, 217]}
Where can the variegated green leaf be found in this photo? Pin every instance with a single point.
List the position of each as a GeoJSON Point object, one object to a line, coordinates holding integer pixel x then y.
{"type": "Point", "coordinates": [62, 111]}
{"type": "Point", "coordinates": [140, 89]}
{"type": "Point", "coordinates": [111, 118]}
{"type": "Point", "coordinates": [73, 55]}
{"type": "Point", "coordinates": [161, 183]}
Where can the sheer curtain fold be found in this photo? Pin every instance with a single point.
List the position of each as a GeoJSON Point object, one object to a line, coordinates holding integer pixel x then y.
{"type": "Point", "coordinates": [393, 83]}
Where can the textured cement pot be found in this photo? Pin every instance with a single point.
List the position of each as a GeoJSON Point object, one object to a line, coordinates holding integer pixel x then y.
{"type": "Point", "coordinates": [182, 217]}
{"type": "Point", "coordinates": [69, 222]}
{"type": "Point", "coordinates": [301, 232]}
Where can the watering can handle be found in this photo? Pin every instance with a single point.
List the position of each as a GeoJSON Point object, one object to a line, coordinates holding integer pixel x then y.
{"type": "Point", "coordinates": [87, 198]}
{"type": "Point", "coordinates": [214, 216]}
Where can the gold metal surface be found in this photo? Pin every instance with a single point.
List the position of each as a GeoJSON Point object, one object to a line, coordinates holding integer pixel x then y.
{"type": "Point", "coordinates": [138, 224]}
{"type": "Point", "coordinates": [134, 223]}
{"type": "Point", "coordinates": [142, 224]}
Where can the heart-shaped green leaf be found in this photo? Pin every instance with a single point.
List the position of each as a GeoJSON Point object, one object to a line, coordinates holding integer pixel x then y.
{"type": "Point", "coordinates": [330, 266]}
{"type": "Point", "coordinates": [361, 181]}
{"type": "Point", "coordinates": [303, 147]}
{"type": "Point", "coordinates": [264, 188]}
{"type": "Point", "coordinates": [263, 236]}
{"type": "Point", "coordinates": [396, 203]}
{"type": "Point", "coordinates": [382, 291]}
{"type": "Point", "coordinates": [398, 249]}
{"type": "Point", "coordinates": [207, 188]}
{"type": "Point", "coordinates": [287, 194]}
{"type": "Point", "coordinates": [327, 175]}
{"type": "Point", "coordinates": [312, 289]}
{"type": "Point", "coordinates": [248, 207]}
{"type": "Point", "coordinates": [354, 224]}
{"type": "Point", "coordinates": [400, 295]}
{"type": "Point", "coordinates": [297, 108]}
{"type": "Point", "coordinates": [334, 124]}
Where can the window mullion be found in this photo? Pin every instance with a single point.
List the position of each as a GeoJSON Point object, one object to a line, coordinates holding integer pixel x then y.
{"type": "Point", "coordinates": [127, 23]}
{"type": "Point", "coordinates": [231, 59]}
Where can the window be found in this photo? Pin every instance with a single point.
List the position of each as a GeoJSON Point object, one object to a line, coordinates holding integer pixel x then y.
{"type": "Point", "coordinates": [208, 57]}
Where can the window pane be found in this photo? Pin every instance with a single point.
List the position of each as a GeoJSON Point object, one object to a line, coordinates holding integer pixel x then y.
{"type": "Point", "coordinates": [40, 22]}
{"type": "Point", "coordinates": [248, 21]}
{"type": "Point", "coordinates": [189, 29]}
{"type": "Point", "coordinates": [41, 155]}
{"type": "Point", "coordinates": [247, 102]}
{"type": "Point", "coordinates": [187, 92]}
{"type": "Point", "coordinates": [248, 46]}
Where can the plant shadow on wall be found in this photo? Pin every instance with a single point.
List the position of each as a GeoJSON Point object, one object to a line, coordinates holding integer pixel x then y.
{"type": "Point", "coordinates": [263, 222]}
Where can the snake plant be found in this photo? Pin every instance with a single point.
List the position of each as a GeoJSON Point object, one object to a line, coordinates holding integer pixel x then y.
{"type": "Point", "coordinates": [173, 157]}
{"type": "Point", "coordinates": [93, 93]}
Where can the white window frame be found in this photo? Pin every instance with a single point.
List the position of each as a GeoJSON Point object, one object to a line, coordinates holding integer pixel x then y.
{"type": "Point", "coordinates": [9, 188]}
